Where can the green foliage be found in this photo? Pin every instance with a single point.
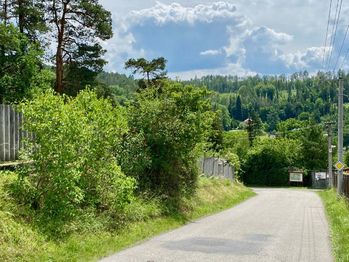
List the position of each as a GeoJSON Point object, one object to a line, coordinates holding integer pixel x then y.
{"type": "Point", "coordinates": [78, 32]}
{"type": "Point", "coordinates": [152, 71]}
{"type": "Point", "coordinates": [215, 138]}
{"type": "Point", "coordinates": [134, 154]}
{"type": "Point", "coordinates": [175, 121]}
{"type": "Point", "coordinates": [73, 152]}
{"type": "Point", "coordinates": [20, 240]}
{"type": "Point", "coordinates": [275, 98]}
{"type": "Point", "coordinates": [17, 54]}
{"type": "Point", "coordinates": [314, 149]}
{"type": "Point", "coordinates": [273, 119]}
{"type": "Point", "coordinates": [237, 112]}
{"type": "Point", "coordinates": [82, 71]}
{"type": "Point", "coordinates": [28, 15]}
{"type": "Point", "coordinates": [253, 127]}
{"type": "Point", "coordinates": [233, 160]}
{"type": "Point", "coordinates": [291, 128]}
{"type": "Point", "coordinates": [17, 240]}
{"type": "Point", "coordinates": [117, 87]}
{"type": "Point", "coordinates": [237, 142]}
{"type": "Point", "coordinates": [268, 161]}
{"type": "Point", "coordinates": [337, 210]}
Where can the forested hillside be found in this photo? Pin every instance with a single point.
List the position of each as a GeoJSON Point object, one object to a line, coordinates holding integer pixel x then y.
{"type": "Point", "coordinates": [274, 98]}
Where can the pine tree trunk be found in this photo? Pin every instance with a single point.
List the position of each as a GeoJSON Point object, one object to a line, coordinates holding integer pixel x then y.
{"type": "Point", "coordinates": [59, 70]}
{"type": "Point", "coordinates": [21, 15]}
{"type": "Point", "coordinates": [59, 53]}
{"type": "Point", "coordinates": [5, 14]}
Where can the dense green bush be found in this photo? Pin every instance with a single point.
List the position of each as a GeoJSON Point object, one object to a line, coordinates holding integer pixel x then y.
{"type": "Point", "coordinates": [174, 120]}
{"type": "Point", "coordinates": [233, 160]}
{"type": "Point", "coordinates": [268, 161]}
{"type": "Point", "coordinates": [74, 156]}
{"type": "Point", "coordinates": [314, 149]}
{"type": "Point", "coordinates": [236, 141]}
{"type": "Point", "coordinates": [133, 154]}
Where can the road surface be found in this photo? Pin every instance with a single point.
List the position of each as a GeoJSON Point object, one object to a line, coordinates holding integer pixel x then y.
{"type": "Point", "coordinates": [276, 225]}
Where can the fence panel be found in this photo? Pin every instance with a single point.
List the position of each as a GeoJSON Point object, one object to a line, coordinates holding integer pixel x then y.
{"type": "Point", "coordinates": [216, 167]}
{"type": "Point", "coordinates": [11, 135]}
{"type": "Point", "coordinates": [346, 185]}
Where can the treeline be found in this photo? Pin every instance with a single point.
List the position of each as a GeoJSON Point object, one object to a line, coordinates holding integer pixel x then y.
{"type": "Point", "coordinates": [268, 99]}
{"type": "Point", "coordinates": [273, 98]}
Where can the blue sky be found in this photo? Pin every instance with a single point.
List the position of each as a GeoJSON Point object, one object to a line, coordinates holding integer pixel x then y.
{"type": "Point", "coordinates": [238, 37]}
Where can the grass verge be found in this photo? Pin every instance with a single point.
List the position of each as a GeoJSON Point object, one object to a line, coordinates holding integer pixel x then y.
{"type": "Point", "coordinates": [337, 211]}
{"type": "Point", "coordinates": [24, 243]}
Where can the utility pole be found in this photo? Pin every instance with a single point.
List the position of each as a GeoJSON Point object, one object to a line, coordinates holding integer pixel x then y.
{"type": "Point", "coordinates": [340, 136]}
{"type": "Point", "coordinates": [329, 145]}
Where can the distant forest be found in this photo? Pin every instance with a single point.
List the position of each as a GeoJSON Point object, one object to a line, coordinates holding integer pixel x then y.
{"type": "Point", "coordinates": [272, 99]}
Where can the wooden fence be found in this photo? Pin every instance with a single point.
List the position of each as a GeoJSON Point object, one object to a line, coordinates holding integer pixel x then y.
{"type": "Point", "coordinates": [11, 134]}
{"type": "Point", "coordinates": [345, 183]}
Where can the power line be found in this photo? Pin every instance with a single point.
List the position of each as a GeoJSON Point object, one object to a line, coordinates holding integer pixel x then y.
{"type": "Point", "coordinates": [345, 57]}
{"type": "Point", "coordinates": [332, 34]}
{"type": "Point", "coordinates": [335, 27]}
{"type": "Point", "coordinates": [340, 51]}
{"type": "Point", "coordinates": [326, 37]}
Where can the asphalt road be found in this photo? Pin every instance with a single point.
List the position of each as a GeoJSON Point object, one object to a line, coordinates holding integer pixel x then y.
{"type": "Point", "coordinates": [276, 225]}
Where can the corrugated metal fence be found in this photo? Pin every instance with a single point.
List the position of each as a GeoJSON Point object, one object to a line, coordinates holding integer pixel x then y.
{"type": "Point", "coordinates": [216, 167]}
{"type": "Point", "coordinates": [11, 135]}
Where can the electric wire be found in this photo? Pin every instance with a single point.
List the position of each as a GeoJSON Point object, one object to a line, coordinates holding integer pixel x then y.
{"type": "Point", "coordinates": [332, 34]}
{"type": "Point", "coordinates": [326, 37]}
{"type": "Point", "coordinates": [335, 31]}
{"type": "Point", "coordinates": [340, 51]}
{"type": "Point", "coordinates": [344, 59]}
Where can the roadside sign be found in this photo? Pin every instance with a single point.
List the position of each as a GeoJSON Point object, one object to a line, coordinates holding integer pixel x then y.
{"type": "Point", "coordinates": [339, 165]}
{"type": "Point", "coordinates": [296, 177]}
{"type": "Point", "coordinates": [321, 175]}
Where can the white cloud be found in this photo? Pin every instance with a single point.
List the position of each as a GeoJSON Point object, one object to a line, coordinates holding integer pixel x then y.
{"type": "Point", "coordinates": [311, 59]}
{"type": "Point", "coordinates": [176, 13]}
{"type": "Point", "coordinates": [228, 69]}
{"type": "Point", "coordinates": [211, 52]}
{"type": "Point", "coordinates": [215, 38]}
{"type": "Point", "coordinates": [189, 37]}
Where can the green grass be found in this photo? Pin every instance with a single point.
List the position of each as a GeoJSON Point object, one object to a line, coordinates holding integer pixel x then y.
{"type": "Point", "coordinates": [22, 242]}
{"type": "Point", "coordinates": [337, 210]}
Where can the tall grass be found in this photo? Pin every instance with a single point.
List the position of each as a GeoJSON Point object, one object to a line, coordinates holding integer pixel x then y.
{"type": "Point", "coordinates": [22, 240]}
{"type": "Point", "coordinates": [337, 210]}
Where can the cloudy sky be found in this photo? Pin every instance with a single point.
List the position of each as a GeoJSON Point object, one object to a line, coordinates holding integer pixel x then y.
{"type": "Point", "coordinates": [238, 37]}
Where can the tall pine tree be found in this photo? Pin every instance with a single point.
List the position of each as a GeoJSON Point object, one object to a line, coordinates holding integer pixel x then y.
{"type": "Point", "coordinates": [77, 26]}
{"type": "Point", "coordinates": [238, 114]}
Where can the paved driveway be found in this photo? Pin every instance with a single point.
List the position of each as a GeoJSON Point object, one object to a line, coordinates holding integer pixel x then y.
{"type": "Point", "coordinates": [276, 225]}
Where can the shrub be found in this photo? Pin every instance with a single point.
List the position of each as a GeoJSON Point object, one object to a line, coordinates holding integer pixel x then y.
{"type": "Point", "coordinates": [268, 161]}
{"type": "Point", "coordinates": [74, 160]}
{"type": "Point", "coordinates": [236, 142]}
{"type": "Point", "coordinates": [175, 120]}
{"type": "Point", "coordinates": [233, 160]}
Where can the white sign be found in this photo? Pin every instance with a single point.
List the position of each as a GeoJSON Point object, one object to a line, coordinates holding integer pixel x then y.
{"type": "Point", "coordinates": [296, 177]}
{"type": "Point", "coordinates": [320, 175]}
